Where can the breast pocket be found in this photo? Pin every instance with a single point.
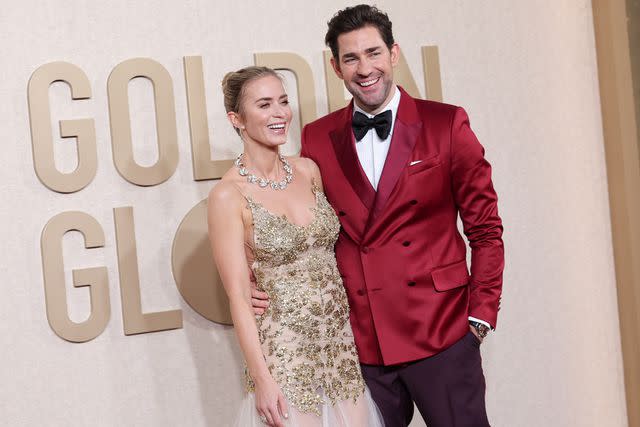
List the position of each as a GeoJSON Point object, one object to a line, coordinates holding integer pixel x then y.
{"type": "Point", "coordinates": [424, 165]}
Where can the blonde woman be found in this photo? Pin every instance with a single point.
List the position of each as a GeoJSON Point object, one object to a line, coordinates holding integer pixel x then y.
{"type": "Point", "coordinates": [268, 218]}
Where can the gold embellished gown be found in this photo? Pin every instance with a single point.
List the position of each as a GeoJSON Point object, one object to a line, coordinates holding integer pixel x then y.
{"type": "Point", "coordinates": [305, 333]}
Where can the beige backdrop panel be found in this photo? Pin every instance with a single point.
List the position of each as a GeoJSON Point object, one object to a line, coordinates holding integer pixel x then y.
{"type": "Point", "coordinates": [525, 71]}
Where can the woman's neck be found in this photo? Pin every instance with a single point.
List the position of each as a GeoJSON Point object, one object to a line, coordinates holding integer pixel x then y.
{"type": "Point", "coordinates": [262, 160]}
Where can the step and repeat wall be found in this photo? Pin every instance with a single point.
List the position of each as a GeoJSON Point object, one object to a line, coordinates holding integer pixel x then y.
{"type": "Point", "coordinates": [114, 132]}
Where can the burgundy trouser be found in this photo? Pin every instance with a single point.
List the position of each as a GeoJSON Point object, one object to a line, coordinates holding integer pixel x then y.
{"type": "Point", "coordinates": [448, 388]}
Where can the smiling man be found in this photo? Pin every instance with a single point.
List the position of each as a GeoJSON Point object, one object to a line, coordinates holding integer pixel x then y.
{"type": "Point", "coordinates": [399, 171]}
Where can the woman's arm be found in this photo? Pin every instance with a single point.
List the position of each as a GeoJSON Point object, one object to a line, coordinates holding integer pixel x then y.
{"type": "Point", "coordinates": [226, 235]}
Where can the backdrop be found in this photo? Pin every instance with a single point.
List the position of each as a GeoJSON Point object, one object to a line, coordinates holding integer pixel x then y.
{"type": "Point", "coordinates": [525, 72]}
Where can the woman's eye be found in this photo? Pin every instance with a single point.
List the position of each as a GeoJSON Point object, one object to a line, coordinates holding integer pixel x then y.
{"type": "Point", "coordinates": [263, 105]}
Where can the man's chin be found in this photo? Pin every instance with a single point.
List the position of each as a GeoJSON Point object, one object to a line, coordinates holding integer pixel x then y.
{"type": "Point", "coordinates": [368, 101]}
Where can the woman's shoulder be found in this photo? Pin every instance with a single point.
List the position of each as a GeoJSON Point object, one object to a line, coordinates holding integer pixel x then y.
{"type": "Point", "coordinates": [309, 169]}
{"type": "Point", "coordinates": [305, 165]}
{"type": "Point", "coordinates": [226, 192]}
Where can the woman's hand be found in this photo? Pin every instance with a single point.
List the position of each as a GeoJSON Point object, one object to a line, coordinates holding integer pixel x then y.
{"type": "Point", "coordinates": [270, 402]}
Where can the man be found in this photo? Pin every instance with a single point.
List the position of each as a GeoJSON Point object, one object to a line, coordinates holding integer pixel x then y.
{"type": "Point", "coordinates": [399, 171]}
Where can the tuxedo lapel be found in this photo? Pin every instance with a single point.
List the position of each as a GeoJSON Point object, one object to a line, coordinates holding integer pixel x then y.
{"type": "Point", "coordinates": [405, 133]}
{"type": "Point", "coordinates": [343, 143]}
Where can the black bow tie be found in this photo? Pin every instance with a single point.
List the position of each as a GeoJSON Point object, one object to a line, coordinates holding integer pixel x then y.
{"type": "Point", "coordinates": [381, 123]}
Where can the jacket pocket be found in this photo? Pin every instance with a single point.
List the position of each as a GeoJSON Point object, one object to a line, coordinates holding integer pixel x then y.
{"type": "Point", "coordinates": [451, 276]}
{"type": "Point", "coordinates": [429, 163]}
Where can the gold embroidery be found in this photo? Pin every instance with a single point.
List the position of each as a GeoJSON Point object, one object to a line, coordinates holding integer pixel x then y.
{"type": "Point", "coordinates": [305, 333]}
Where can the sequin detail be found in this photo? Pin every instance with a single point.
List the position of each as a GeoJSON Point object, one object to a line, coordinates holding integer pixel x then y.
{"type": "Point", "coordinates": [305, 333]}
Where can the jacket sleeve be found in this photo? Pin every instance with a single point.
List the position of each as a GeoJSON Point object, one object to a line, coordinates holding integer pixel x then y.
{"type": "Point", "coordinates": [477, 203]}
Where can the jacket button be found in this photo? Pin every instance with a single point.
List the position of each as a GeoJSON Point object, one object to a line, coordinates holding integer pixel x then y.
{"type": "Point", "coordinates": [342, 213]}
{"type": "Point", "coordinates": [413, 202]}
{"type": "Point", "coordinates": [360, 292]}
{"type": "Point", "coordinates": [406, 243]}
{"type": "Point", "coordinates": [365, 249]}
{"type": "Point", "coordinates": [411, 283]}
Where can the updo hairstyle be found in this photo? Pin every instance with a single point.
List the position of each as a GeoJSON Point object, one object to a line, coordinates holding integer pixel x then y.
{"type": "Point", "coordinates": [235, 82]}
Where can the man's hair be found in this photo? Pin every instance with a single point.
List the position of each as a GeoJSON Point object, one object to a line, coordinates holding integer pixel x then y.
{"type": "Point", "coordinates": [354, 18]}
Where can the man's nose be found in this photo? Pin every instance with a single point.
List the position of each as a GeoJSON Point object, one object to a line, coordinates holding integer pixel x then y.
{"type": "Point", "coordinates": [364, 68]}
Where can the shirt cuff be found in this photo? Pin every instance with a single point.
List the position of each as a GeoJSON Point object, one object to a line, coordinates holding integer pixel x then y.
{"type": "Point", "coordinates": [474, 319]}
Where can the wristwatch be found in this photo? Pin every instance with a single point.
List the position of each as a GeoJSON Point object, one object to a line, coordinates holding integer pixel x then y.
{"type": "Point", "coordinates": [481, 329]}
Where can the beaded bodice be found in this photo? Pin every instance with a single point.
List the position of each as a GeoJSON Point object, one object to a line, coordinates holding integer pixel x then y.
{"type": "Point", "coordinates": [305, 333]}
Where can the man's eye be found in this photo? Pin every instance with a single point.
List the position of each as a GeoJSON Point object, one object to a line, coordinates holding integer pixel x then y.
{"type": "Point", "coordinates": [285, 102]}
{"type": "Point", "coordinates": [263, 105]}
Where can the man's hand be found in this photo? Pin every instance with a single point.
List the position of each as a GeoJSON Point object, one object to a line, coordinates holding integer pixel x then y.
{"type": "Point", "coordinates": [259, 300]}
{"type": "Point", "coordinates": [471, 328]}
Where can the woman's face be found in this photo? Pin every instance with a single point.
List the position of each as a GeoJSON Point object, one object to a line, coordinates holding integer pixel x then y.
{"type": "Point", "coordinates": [266, 114]}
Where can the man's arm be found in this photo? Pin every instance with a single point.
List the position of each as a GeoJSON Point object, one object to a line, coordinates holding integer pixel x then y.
{"type": "Point", "coordinates": [259, 300]}
{"type": "Point", "coordinates": [477, 203]}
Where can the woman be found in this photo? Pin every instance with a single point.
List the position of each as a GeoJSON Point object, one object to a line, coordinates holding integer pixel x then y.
{"type": "Point", "coordinates": [269, 219]}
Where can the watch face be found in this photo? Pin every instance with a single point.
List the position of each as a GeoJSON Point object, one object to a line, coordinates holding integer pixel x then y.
{"type": "Point", "coordinates": [482, 330]}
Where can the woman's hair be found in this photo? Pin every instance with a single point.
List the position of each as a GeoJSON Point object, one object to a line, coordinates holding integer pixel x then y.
{"type": "Point", "coordinates": [234, 84]}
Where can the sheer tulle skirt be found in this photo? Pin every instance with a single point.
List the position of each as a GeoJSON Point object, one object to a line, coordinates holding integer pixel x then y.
{"type": "Point", "coordinates": [346, 413]}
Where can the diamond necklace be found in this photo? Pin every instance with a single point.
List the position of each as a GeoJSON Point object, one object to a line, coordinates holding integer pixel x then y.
{"type": "Point", "coordinates": [264, 182]}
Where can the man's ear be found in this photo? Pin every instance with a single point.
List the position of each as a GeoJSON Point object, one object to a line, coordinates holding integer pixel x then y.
{"type": "Point", "coordinates": [336, 67]}
{"type": "Point", "coordinates": [395, 54]}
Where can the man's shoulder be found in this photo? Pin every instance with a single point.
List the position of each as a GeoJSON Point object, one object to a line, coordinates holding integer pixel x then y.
{"type": "Point", "coordinates": [426, 106]}
{"type": "Point", "coordinates": [318, 132]}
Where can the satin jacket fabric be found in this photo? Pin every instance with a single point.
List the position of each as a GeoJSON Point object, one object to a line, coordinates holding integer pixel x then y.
{"type": "Point", "coordinates": [401, 256]}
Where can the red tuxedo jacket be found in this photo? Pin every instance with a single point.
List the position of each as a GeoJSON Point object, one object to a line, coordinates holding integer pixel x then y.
{"type": "Point", "coordinates": [400, 254]}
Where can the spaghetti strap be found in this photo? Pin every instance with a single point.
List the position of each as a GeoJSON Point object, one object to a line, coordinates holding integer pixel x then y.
{"type": "Point", "coordinates": [314, 186]}
{"type": "Point", "coordinates": [248, 198]}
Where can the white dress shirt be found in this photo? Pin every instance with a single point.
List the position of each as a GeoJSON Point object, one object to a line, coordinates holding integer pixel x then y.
{"type": "Point", "coordinates": [372, 151]}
